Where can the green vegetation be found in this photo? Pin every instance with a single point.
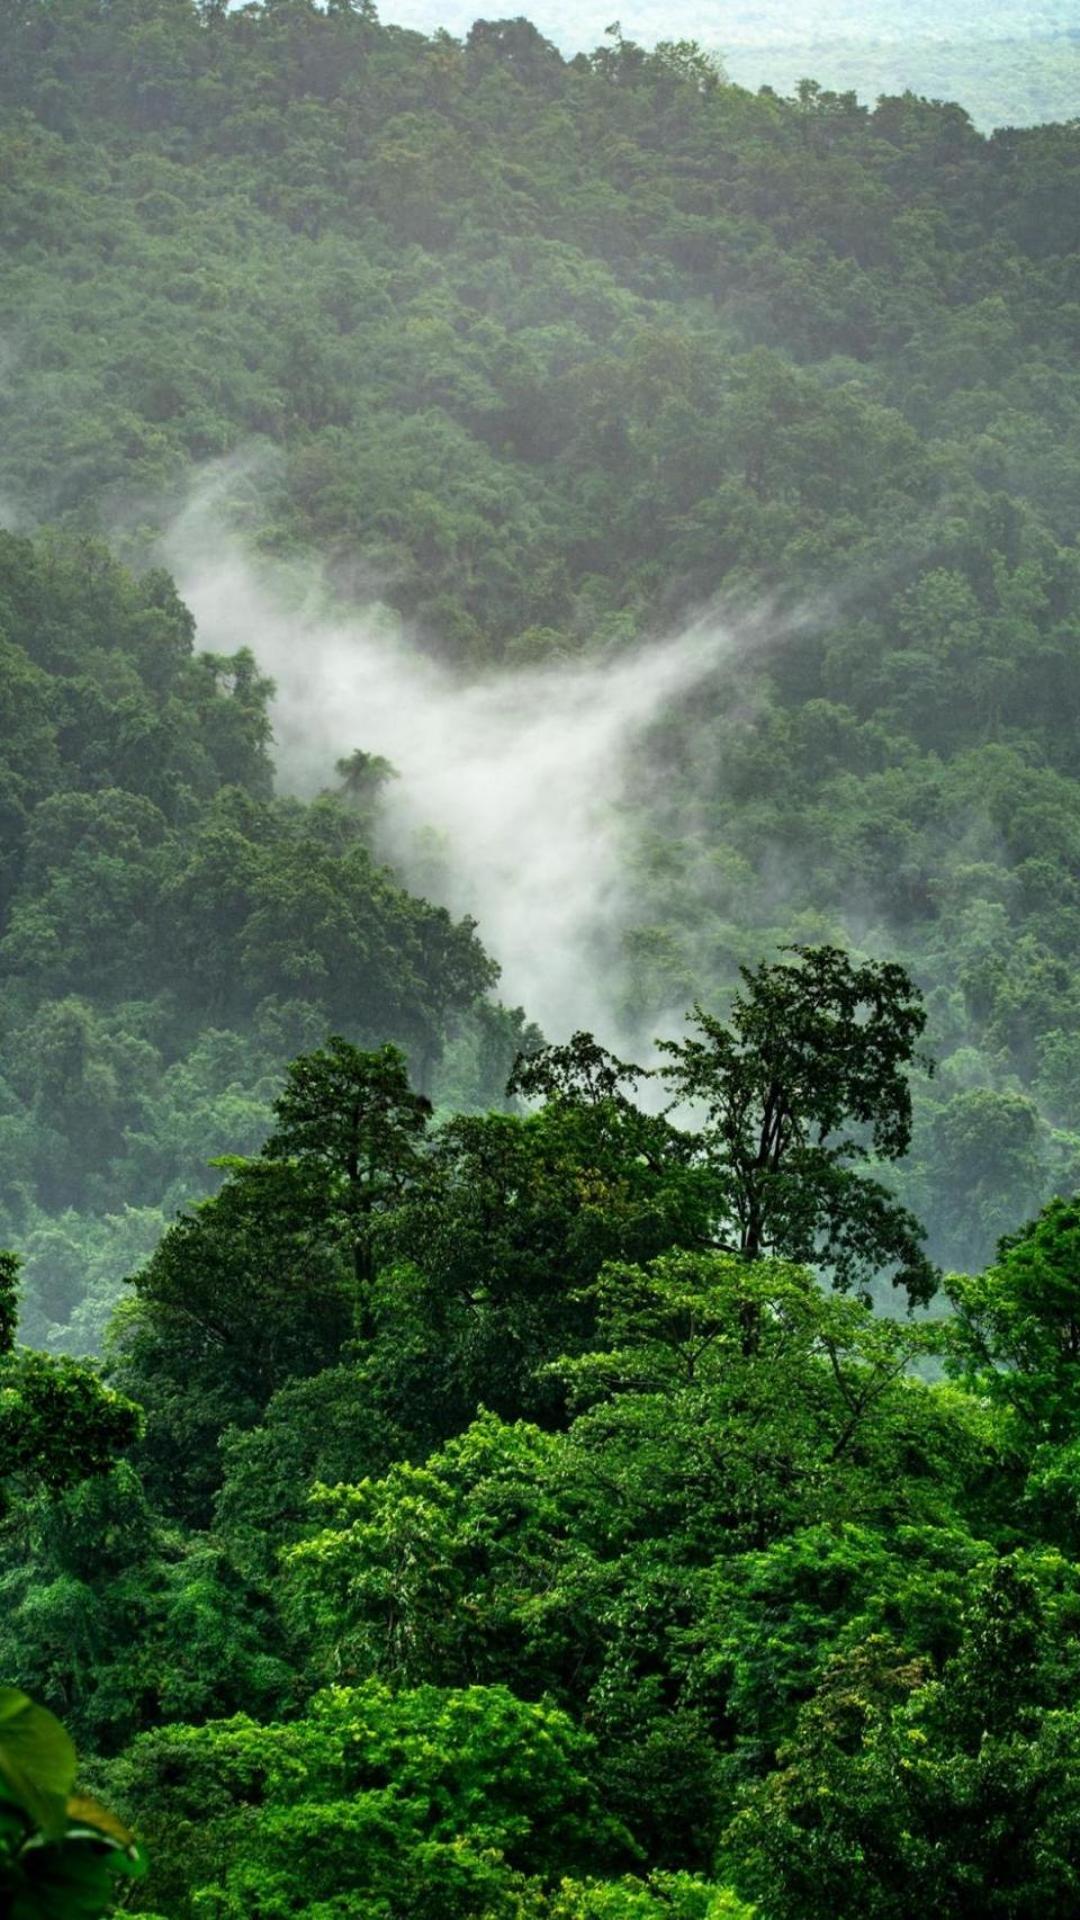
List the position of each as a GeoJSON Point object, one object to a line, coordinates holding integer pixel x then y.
{"type": "Point", "coordinates": [495, 1495]}
{"type": "Point", "coordinates": [171, 932]}
{"type": "Point", "coordinates": [558, 353]}
{"type": "Point", "coordinates": [61, 1855]}
{"type": "Point", "coordinates": [499, 1541]}
{"type": "Point", "coordinates": [1007, 62]}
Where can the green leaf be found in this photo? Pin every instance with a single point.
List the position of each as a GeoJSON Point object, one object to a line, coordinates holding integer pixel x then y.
{"type": "Point", "coordinates": [37, 1760]}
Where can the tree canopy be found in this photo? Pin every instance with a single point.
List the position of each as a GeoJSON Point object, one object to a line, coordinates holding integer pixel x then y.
{"type": "Point", "coordinates": [517, 1483]}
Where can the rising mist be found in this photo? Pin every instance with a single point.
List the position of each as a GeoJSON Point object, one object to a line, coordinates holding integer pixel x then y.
{"type": "Point", "coordinates": [511, 788]}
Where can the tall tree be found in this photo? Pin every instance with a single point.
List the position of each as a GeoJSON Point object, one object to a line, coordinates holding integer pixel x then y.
{"type": "Point", "coordinates": [352, 1120]}
{"type": "Point", "coordinates": [808, 1078]}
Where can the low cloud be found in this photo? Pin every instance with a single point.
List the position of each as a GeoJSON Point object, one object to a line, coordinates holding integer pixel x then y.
{"type": "Point", "coordinates": [512, 788]}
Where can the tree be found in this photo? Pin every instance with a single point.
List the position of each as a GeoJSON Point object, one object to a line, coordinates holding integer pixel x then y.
{"type": "Point", "coordinates": [513, 1223]}
{"type": "Point", "coordinates": [363, 777]}
{"type": "Point", "coordinates": [416, 1804]}
{"type": "Point", "coordinates": [9, 1301]}
{"type": "Point", "coordinates": [986, 1168]}
{"type": "Point", "coordinates": [250, 1289]}
{"type": "Point", "coordinates": [809, 1075]}
{"type": "Point", "coordinates": [908, 1790]}
{"type": "Point", "coordinates": [267, 1281]}
{"type": "Point", "coordinates": [1017, 1329]}
{"type": "Point", "coordinates": [715, 1436]}
{"type": "Point", "coordinates": [58, 1423]}
{"type": "Point", "coordinates": [597, 1564]}
{"type": "Point", "coordinates": [351, 1121]}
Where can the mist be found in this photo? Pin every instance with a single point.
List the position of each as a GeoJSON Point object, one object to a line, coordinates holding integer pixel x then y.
{"type": "Point", "coordinates": [509, 803]}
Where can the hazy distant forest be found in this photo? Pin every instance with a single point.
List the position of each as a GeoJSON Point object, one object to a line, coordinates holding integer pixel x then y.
{"type": "Point", "coordinates": [448, 1470]}
{"type": "Point", "coordinates": [1009, 62]}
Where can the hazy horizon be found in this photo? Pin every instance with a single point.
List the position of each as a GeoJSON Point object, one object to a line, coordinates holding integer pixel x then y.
{"type": "Point", "coordinates": [1004, 62]}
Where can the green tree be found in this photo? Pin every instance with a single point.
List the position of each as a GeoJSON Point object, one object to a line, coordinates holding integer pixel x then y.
{"type": "Point", "coordinates": [267, 1281]}
{"type": "Point", "coordinates": [987, 1167]}
{"type": "Point", "coordinates": [246, 1292]}
{"type": "Point", "coordinates": [1017, 1328]}
{"type": "Point", "coordinates": [352, 1122]}
{"type": "Point", "coordinates": [512, 1224]}
{"type": "Point", "coordinates": [903, 1789]}
{"type": "Point", "coordinates": [425, 1802]}
{"type": "Point", "coordinates": [808, 1075]}
{"type": "Point", "coordinates": [58, 1422]}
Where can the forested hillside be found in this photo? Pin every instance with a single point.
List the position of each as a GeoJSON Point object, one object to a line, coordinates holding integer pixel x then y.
{"type": "Point", "coordinates": [494, 1520]}
{"type": "Point", "coordinates": [172, 933]}
{"type": "Point", "coordinates": [453, 1472]}
{"type": "Point", "coordinates": [551, 355]}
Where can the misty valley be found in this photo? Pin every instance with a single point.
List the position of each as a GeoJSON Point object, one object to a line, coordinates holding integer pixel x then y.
{"type": "Point", "coordinates": [540, 1013]}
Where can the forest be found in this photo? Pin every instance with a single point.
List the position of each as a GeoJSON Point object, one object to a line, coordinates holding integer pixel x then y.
{"type": "Point", "coordinates": [525, 1516]}
{"type": "Point", "coordinates": [1009, 63]}
{"type": "Point", "coordinates": [451, 1470]}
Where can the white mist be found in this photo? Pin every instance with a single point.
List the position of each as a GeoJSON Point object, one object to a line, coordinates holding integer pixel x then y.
{"type": "Point", "coordinates": [507, 804]}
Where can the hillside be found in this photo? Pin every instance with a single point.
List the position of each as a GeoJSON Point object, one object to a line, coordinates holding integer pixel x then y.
{"type": "Point", "coordinates": [486, 522]}
{"type": "Point", "coordinates": [550, 356]}
{"type": "Point", "coordinates": [171, 931]}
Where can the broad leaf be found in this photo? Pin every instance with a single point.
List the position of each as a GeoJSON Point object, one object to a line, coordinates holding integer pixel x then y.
{"type": "Point", "coordinates": [37, 1760]}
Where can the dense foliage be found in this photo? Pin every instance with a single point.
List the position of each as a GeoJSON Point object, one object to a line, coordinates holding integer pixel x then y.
{"type": "Point", "coordinates": [497, 1498]}
{"type": "Point", "coordinates": [500, 1542]}
{"type": "Point", "coordinates": [169, 932]}
{"type": "Point", "coordinates": [556, 352]}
